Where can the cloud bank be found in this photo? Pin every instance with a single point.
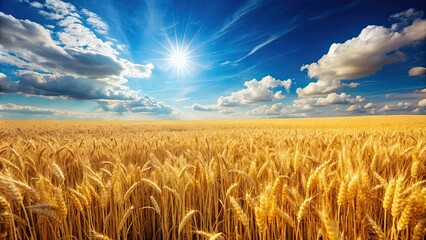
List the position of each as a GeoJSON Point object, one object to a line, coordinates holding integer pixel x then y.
{"type": "Point", "coordinates": [256, 92]}
{"type": "Point", "coordinates": [361, 56]}
{"type": "Point", "coordinates": [71, 61]}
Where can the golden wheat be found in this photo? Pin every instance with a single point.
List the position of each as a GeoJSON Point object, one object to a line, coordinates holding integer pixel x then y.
{"type": "Point", "coordinates": [344, 178]}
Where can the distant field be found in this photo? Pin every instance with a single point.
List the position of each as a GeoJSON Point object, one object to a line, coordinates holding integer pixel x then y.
{"type": "Point", "coordinates": [325, 178]}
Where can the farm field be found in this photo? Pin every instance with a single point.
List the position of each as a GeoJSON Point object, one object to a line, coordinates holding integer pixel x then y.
{"type": "Point", "coordinates": [325, 178]}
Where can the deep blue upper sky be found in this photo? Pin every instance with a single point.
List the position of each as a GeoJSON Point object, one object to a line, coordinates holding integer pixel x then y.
{"type": "Point", "coordinates": [210, 59]}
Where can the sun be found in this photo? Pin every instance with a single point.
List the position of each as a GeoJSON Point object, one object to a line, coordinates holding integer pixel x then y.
{"type": "Point", "coordinates": [179, 59]}
{"type": "Point", "coordinates": [179, 53]}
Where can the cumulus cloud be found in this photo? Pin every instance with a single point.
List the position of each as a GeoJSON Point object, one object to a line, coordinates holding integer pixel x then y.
{"type": "Point", "coordinates": [279, 110]}
{"type": "Point", "coordinates": [74, 35]}
{"type": "Point", "coordinates": [389, 108]}
{"type": "Point", "coordinates": [51, 85]}
{"type": "Point", "coordinates": [95, 22]}
{"type": "Point", "coordinates": [13, 108]}
{"type": "Point", "coordinates": [201, 107]}
{"type": "Point", "coordinates": [209, 108]}
{"type": "Point", "coordinates": [143, 104]}
{"type": "Point", "coordinates": [31, 38]}
{"type": "Point", "coordinates": [361, 56]}
{"type": "Point", "coordinates": [76, 65]}
{"type": "Point", "coordinates": [356, 109]}
{"type": "Point", "coordinates": [334, 98]}
{"type": "Point", "coordinates": [36, 4]}
{"type": "Point", "coordinates": [417, 71]}
{"type": "Point", "coordinates": [29, 45]}
{"type": "Point", "coordinates": [400, 107]}
{"type": "Point", "coordinates": [422, 103]}
{"type": "Point", "coordinates": [256, 92]}
{"type": "Point", "coordinates": [274, 109]}
{"type": "Point", "coordinates": [137, 70]}
{"type": "Point", "coordinates": [319, 88]}
{"type": "Point", "coordinates": [351, 85]}
{"type": "Point", "coordinates": [370, 106]}
{"type": "Point", "coordinates": [330, 99]}
{"type": "Point", "coordinates": [59, 9]}
{"type": "Point", "coordinates": [13, 111]}
{"type": "Point", "coordinates": [310, 106]}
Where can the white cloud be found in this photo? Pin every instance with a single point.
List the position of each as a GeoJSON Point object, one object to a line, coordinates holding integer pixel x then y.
{"type": "Point", "coordinates": [334, 98]}
{"type": "Point", "coordinates": [51, 15]}
{"type": "Point", "coordinates": [59, 9]}
{"type": "Point", "coordinates": [319, 88]}
{"type": "Point", "coordinates": [355, 109]}
{"type": "Point", "coordinates": [200, 107]}
{"type": "Point", "coordinates": [36, 4]}
{"type": "Point", "coordinates": [145, 104]}
{"type": "Point", "coordinates": [389, 108]}
{"type": "Point", "coordinates": [259, 46]}
{"type": "Point", "coordinates": [310, 106]}
{"type": "Point", "coordinates": [95, 22]}
{"type": "Point", "coordinates": [29, 45]}
{"type": "Point", "coordinates": [136, 70]}
{"type": "Point", "coordinates": [51, 85]}
{"type": "Point", "coordinates": [13, 111]}
{"type": "Point", "coordinates": [275, 109]}
{"type": "Point", "coordinates": [13, 108]}
{"type": "Point", "coordinates": [209, 108]}
{"type": "Point", "coordinates": [182, 99]}
{"type": "Point", "coordinates": [75, 35]}
{"type": "Point", "coordinates": [360, 56]}
{"type": "Point", "coordinates": [248, 7]}
{"type": "Point", "coordinates": [278, 109]}
{"type": "Point", "coordinates": [77, 66]}
{"type": "Point", "coordinates": [256, 92]}
{"type": "Point", "coordinates": [81, 57]}
{"type": "Point", "coordinates": [417, 71]}
{"type": "Point", "coordinates": [398, 108]}
{"type": "Point", "coordinates": [351, 85]}
{"type": "Point", "coordinates": [370, 106]}
{"type": "Point", "coordinates": [404, 18]}
{"type": "Point", "coordinates": [330, 99]}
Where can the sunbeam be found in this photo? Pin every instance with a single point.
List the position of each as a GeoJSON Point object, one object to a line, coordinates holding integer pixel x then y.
{"type": "Point", "coordinates": [179, 59]}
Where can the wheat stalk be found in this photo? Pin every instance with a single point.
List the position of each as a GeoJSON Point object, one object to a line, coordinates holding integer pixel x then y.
{"type": "Point", "coordinates": [185, 219]}
{"type": "Point", "coordinates": [124, 219]}
{"type": "Point", "coordinates": [239, 211]}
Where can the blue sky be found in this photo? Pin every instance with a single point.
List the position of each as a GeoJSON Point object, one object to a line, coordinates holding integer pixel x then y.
{"type": "Point", "coordinates": [211, 59]}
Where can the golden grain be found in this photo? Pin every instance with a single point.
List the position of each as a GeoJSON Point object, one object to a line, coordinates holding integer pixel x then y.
{"type": "Point", "coordinates": [343, 178]}
{"type": "Point", "coordinates": [186, 219]}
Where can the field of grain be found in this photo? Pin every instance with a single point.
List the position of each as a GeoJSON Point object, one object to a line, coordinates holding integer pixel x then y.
{"type": "Point", "coordinates": [332, 178]}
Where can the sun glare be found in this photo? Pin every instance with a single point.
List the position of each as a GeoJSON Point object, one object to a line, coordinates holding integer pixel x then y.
{"type": "Point", "coordinates": [178, 54]}
{"type": "Point", "coordinates": [179, 59]}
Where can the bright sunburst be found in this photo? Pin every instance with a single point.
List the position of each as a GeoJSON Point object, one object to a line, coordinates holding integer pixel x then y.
{"type": "Point", "coordinates": [179, 59]}
{"type": "Point", "coordinates": [178, 52]}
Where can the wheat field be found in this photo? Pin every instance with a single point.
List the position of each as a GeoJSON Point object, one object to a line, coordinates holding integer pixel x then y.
{"type": "Point", "coordinates": [331, 178]}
